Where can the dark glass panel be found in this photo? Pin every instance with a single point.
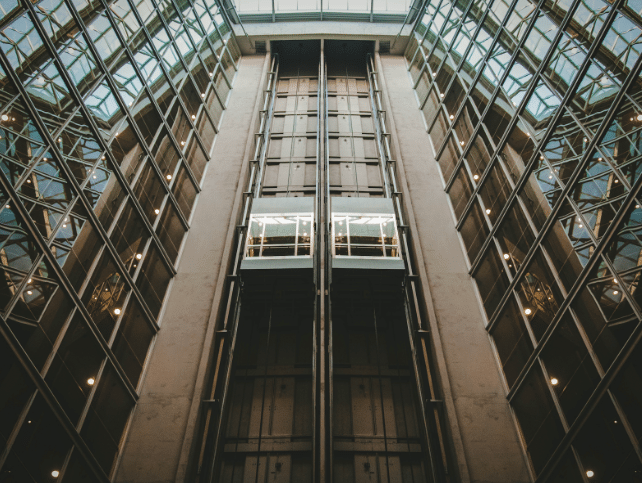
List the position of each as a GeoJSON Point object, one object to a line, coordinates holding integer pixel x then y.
{"type": "Point", "coordinates": [492, 281]}
{"type": "Point", "coordinates": [74, 368]}
{"type": "Point", "coordinates": [603, 446]}
{"type": "Point", "coordinates": [40, 447]}
{"type": "Point", "coordinates": [539, 295]}
{"type": "Point", "coordinates": [133, 338]}
{"type": "Point", "coordinates": [153, 280]}
{"type": "Point", "coordinates": [567, 360]}
{"type": "Point", "coordinates": [538, 419]}
{"type": "Point", "coordinates": [15, 390]}
{"type": "Point", "coordinates": [512, 340]}
{"type": "Point", "coordinates": [107, 417]}
{"type": "Point", "coordinates": [171, 232]}
{"type": "Point", "coordinates": [105, 294]}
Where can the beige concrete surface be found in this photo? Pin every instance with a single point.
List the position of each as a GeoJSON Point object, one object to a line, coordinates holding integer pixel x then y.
{"type": "Point", "coordinates": [484, 433]}
{"type": "Point", "coordinates": [162, 427]}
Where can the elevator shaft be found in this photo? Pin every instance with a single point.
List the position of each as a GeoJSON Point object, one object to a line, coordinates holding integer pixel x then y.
{"type": "Point", "coordinates": [315, 377]}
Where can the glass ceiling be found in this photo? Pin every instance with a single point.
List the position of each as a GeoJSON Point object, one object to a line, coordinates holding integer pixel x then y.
{"type": "Point", "coordinates": [371, 7]}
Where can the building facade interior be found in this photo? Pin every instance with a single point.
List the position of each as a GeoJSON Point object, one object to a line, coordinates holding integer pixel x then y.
{"type": "Point", "coordinates": [320, 241]}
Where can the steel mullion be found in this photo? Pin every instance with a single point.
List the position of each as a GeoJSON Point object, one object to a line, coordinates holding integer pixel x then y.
{"type": "Point", "coordinates": [33, 112]}
{"type": "Point", "coordinates": [72, 181]}
{"type": "Point", "coordinates": [36, 237]}
{"type": "Point", "coordinates": [108, 78]}
{"type": "Point", "coordinates": [552, 217]}
{"type": "Point", "coordinates": [197, 56]}
{"type": "Point", "coordinates": [494, 95]}
{"type": "Point", "coordinates": [513, 122]}
{"type": "Point", "coordinates": [425, 34]}
{"type": "Point", "coordinates": [78, 99]}
{"type": "Point", "coordinates": [439, 35]}
{"type": "Point", "coordinates": [600, 390]}
{"type": "Point", "coordinates": [635, 441]}
{"type": "Point", "coordinates": [47, 394]}
{"type": "Point", "coordinates": [152, 99]}
{"type": "Point", "coordinates": [595, 258]}
{"type": "Point", "coordinates": [473, 83]}
{"type": "Point", "coordinates": [171, 82]}
{"type": "Point", "coordinates": [209, 42]}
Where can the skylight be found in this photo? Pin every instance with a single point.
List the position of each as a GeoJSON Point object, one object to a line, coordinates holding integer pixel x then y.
{"type": "Point", "coordinates": [357, 6]}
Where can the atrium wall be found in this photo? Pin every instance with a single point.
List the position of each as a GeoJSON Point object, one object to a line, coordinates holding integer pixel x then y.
{"type": "Point", "coordinates": [108, 117]}
{"type": "Point", "coordinates": [535, 119]}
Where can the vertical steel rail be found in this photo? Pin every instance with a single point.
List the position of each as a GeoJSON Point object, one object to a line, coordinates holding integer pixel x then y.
{"type": "Point", "coordinates": [318, 420]}
{"type": "Point", "coordinates": [325, 457]}
{"type": "Point", "coordinates": [232, 309]}
{"type": "Point", "coordinates": [438, 465]}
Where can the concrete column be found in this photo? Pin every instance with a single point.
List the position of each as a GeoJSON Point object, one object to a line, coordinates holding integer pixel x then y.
{"type": "Point", "coordinates": [160, 436]}
{"type": "Point", "coordinates": [484, 436]}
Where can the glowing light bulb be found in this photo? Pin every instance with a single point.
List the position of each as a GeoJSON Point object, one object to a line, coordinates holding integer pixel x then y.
{"type": "Point", "coordinates": [211, 74]}
{"type": "Point", "coordinates": [117, 311]}
{"type": "Point", "coordinates": [639, 118]}
{"type": "Point", "coordinates": [506, 256]}
{"type": "Point", "coordinates": [182, 143]}
{"type": "Point", "coordinates": [169, 177]}
{"type": "Point", "coordinates": [91, 381]}
{"type": "Point", "coordinates": [157, 211]}
{"type": "Point", "coordinates": [462, 143]}
{"type": "Point", "coordinates": [55, 473]}
{"type": "Point", "coordinates": [29, 292]}
{"type": "Point", "coordinates": [590, 474]}
{"type": "Point", "coordinates": [5, 117]}
{"type": "Point", "coordinates": [441, 95]}
{"type": "Point", "coordinates": [615, 292]}
{"type": "Point", "coordinates": [554, 382]}
{"type": "Point", "coordinates": [475, 177]}
{"type": "Point", "coordinates": [487, 211]}
{"type": "Point", "coordinates": [193, 116]}
{"type": "Point", "coordinates": [203, 95]}
{"type": "Point", "coordinates": [528, 311]}
{"type": "Point", "coordinates": [139, 256]}
{"type": "Point", "coordinates": [29, 281]}
{"type": "Point", "coordinates": [452, 117]}
{"type": "Point", "coordinates": [434, 74]}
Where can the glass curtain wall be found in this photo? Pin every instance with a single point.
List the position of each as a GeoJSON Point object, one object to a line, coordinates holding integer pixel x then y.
{"type": "Point", "coordinates": [108, 114]}
{"type": "Point", "coordinates": [534, 111]}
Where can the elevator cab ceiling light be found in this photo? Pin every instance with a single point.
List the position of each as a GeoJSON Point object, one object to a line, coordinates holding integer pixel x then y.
{"type": "Point", "coordinates": [364, 234]}
{"type": "Point", "coordinates": [280, 234]}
